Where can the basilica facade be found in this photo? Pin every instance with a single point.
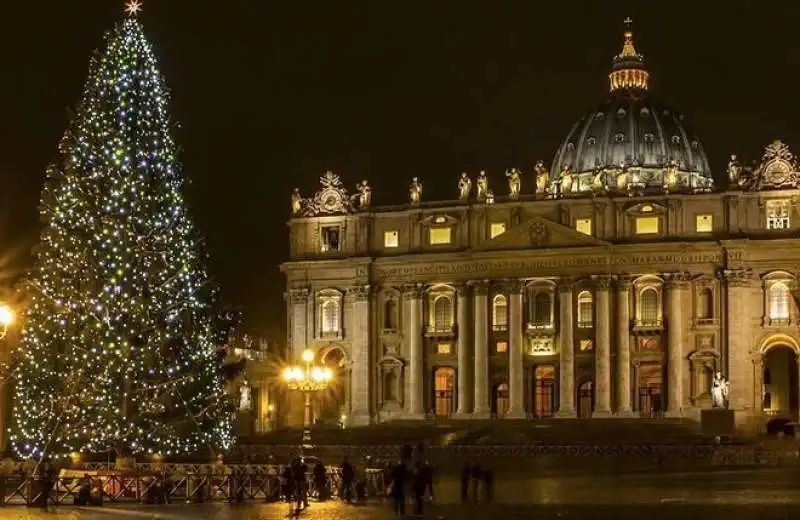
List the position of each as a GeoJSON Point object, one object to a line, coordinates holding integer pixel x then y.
{"type": "Point", "coordinates": [615, 283]}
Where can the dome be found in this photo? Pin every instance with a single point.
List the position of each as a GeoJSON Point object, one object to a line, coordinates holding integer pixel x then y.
{"type": "Point", "coordinates": [632, 132]}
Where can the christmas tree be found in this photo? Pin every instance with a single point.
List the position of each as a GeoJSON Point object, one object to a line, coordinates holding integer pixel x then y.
{"type": "Point", "coordinates": [121, 345]}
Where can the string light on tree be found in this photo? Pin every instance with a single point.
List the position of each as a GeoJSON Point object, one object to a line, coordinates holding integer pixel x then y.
{"type": "Point", "coordinates": [120, 344]}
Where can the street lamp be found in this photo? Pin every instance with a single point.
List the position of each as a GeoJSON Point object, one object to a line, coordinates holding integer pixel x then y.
{"type": "Point", "coordinates": [6, 319]}
{"type": "Point", "coordinates": [308, 379]}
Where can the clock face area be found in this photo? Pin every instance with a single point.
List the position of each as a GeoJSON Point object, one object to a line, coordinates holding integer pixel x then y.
{"type": "Point", "coordinates": [332, 201]}
{"type": "Point", "coordinates": [778, 172]}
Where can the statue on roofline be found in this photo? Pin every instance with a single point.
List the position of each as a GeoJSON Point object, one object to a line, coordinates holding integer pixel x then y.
{"type": "Point", "coordinates": [514, 183]}
{"type": "Point", "coordinates": [464, 187]}
{"type": "Point", "coordinates": [415, 191]}
{"type": "Point", "coordinates": [566, 179]}
{"type": "Point", "coordinates": [364, 194]}
{"type": "Point", "coordinates": [297, 202]}
{"type": "Point", "coordinates": [542, 178]}
{"type": "Point", "coordinates": [734, 170]}
{"type": "Point", "coordinates": [483, 185]}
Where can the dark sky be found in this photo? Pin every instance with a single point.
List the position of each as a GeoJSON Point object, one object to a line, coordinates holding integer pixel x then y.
{"type": "Point", "coordinates": [271, 93]}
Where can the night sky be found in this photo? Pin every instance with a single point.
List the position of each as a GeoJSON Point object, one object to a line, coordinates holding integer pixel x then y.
{"type": "Point", "coordinates": [269, 94]}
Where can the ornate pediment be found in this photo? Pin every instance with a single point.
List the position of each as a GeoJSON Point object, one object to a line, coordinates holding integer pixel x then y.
{"type": "Point", "coordinates": [331, 199]}
{"type": "Point", "coordinates": [540, 232]}
{"type": "Point", "coordinates": [778, 168]}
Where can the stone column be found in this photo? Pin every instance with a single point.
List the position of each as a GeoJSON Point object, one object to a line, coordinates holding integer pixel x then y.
{"type": "Point", "coordinates": [481, 350]}
{"type": "Point", "coordinates": [566, 347]}
{"type": "Point", "coordinates": [675, 324]}
{"type": "Point", "coordinates": [416, 377]}
{"type": "Point", "coordinates": [516, 380]}
{"type": "Point", "coordinates": [602, 360]}
{"type": "Point", "coordinates": [624, 408]}
{"type": "Point", "coordinates": [464, 405]}
{"type": "Point", "coordinates": [739, 367]}
{"type": "Point", "coordinates": [360, 376]}
{"type": "Point", "coordinates": [300, 329]}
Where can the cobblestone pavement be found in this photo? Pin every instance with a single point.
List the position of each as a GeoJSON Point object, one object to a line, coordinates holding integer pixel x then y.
{"type": "Point", "coordinates": [772, 494]}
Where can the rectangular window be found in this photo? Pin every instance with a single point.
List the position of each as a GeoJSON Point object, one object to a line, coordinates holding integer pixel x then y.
{"type": "Point", "coordinates": [501, 347]}
{"type": "Point", "coordinates": [704, 224]}
{"type": "Point", "coordinates": [443, 348]}
{"type": "Point", "coordinates": [331, 238]}
{"type": "Point", "coordinates": [778, 214]}
{"type": "Point", "coordinates": [391, 238]}
{"type": "Point", "coordinates": [583, 225]}
{"type": "Point", "coordinates": [497, 228]}
{"type": "Point", "coordinates": [586, 345]}
{"type": "Point", "coordinates": [440, 235]}
{"type": "Point", "coordinates": [647, 225]}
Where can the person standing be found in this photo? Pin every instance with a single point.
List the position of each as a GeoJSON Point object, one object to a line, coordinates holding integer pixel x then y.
{"type": "Point", "coordinates": [466, 475]}
{"type": "Point", "coordinates": [398, 486]}
{"type": "Point", "coordinates": [348, 475]}
{"type": "Point", "coordinates": [321, 481]}
{"type": "Point", "coordinates": [419, 487]}
{"type": "Point", "coordinates": [299, 470]}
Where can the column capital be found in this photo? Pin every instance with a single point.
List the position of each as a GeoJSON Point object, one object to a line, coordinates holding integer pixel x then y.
{"type": "Point", "coordinates": [602, 281]}
{"type": "Point", "coordinates": [297, 295]}
{"type": "Point", "coordinates": [358, 293]}
{"type": "Point", "coordinates": [412, 291]}
{"type": "Point", "coordinates": [736, 277]}
{"type": "Point", "coordinates": [511, 285]}
{"type": "Point", "coordinates": [566, 284]}
{"type": "Point", "coordinates": [624, 281]}
{"type": "Point", "coordinates": [479, 287]}
{"type": "Point", "coordinates": [677, 280]}
{"type": "Point", "coordinates": [462, 289]}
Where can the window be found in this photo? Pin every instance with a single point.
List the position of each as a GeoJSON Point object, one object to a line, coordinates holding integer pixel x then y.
{"type": "Point", "coordinates": [586, 345]}
{"type": "Point", "coordinates": [500, 401]}
{"type": "Point", "coordinates": [439, 235]}
{"type": "Point", "coordinates": [391, 238]}
{"type": "Point", "coordinates": [647, 208]}
{"type": "Point", "coordinates": [390, 309]}
{"type": "Point", "coordinates": [584, 225]}
{"type": "Point", "coordinates": [390, 386]}
{"type": "Point", "coordinates": [442, 313]}
{"type": "Point", "coordinates": [648, 306]}
{"type": "Point", "coordinates": [544, 390]}
{"type": "Point", "coordinates": [443, 383]}
{"type": "Point", "coordinates": [619, 138]}
{"type": "Point", "coordinates": [542, 309]}
{"type": "Point", "coordinates": [331, 238]}
{"type": "Point", "coordinates": [497, 228]}
{"type": "Point", "coordinates": [444, 348]}
{"type": "Point", "coordinates": [779, 301]}
{"type": "Point", "coordinates": [499, 313]}
{"type": "Point", "coordinates": [501, 347]}
{"type": "Point", "coordinates": [704, 224]}
{"type": "Point", "coordinates": [705, 304]}
{"type": "Point", "coordinates": [329, 312]}
{"type": "Point", "coordinates": [646, 225]}
{"type": "Point", "coordinates": [777, 214]}
{"type": "Point", "coordinates": [585, 318]}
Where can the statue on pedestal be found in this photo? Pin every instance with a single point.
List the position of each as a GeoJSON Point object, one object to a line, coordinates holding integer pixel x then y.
{"type": "Point", "coordinates": [464, 187]}
{"type": "Point", "coordinates": [415, 191]}
{"type": "Point", "coordinates": [542, 178]}
{"type": "Point", "coordinates": [566, 180]}
{"type": "Point", "coordinates": [734, 170]}
{"type": "Point", "coordinates": [244, 397]}
{"type": "Point", "coordinates": [297, 202]}
{"type": "Point", "coordinates": [364, 195]}
{"type": "Point", "coordinates": [483, 185]}
{"type": "Point", "coordinates": [671, 175]}
{"type": "Point", "coordinates": [720, 389]}
{"type": "Point", "coordinates": [514, 183]}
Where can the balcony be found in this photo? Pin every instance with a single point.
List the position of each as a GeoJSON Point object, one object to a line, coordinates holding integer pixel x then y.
{"type": "Point", "coordinates": [500, 327]}
{"type": "Point", "coordinates": [540, 329]}
{"type": "Point", "coordinates": [583, 324]}
{"type": "Point", "coordinates": [648, 325]}
{"type": "Point", "coordinates": [439, 331]}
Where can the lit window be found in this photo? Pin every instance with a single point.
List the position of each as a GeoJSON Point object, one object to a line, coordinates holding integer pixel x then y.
{"type": "Point", "coordinates": [497, 228]}
{"type": "Point", "coordinates": [647, 208]}
{"type": "Point", "coordinates": [440, 235]}
{"type": "Point", "coordinates": [585, 345]}
{"type": "Point", "coordinates": [648, 306]}
{"type": "Point", "coordinates": [705, 304]}
{"type": "Point", "coordinates": [442, 313]}
{"type": "Point", "coordinates": [443, 385]}
{"type": "Point", "coordinates": [705, 223]}
{"type": "Point", "coordinates": [499, 313]}
{"type": "Point", "coordinates": [331, 236]}
{"type": "Point", "coordinates": [329, 317]}
{"type": "Point", "coordinates": [779, 301]}
{"type": "Point", "coordinates": [443, 348]}
{"type": "Point", "coordinates": [585, 309]}
{"type": "Point", "coordinates": [440, 220]}
{"type": "Point", "coordinates": [647, 225]}
{"type": "Point", "coordinates": [584, 225]}
{"type": "Point", "coordinates": [391, 238]}
{"type": "Point", "coordinates": [542, 309]}
{"type": "Point", "coordinates": [501, 347]}
{"type": "Point", "coordinates": [777, 214]}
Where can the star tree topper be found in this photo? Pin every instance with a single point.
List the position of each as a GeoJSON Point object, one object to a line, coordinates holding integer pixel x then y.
{"type": "Point", "coordinates": [133, 7]}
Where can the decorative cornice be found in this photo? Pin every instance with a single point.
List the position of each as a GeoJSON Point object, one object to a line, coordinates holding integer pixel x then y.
{"type": "Point", "coordinates": [358, 293]}
{"type": "Point", "coordinates": [479, 287]}
{"type": "Point", "coordinates": [602, 281]}
{"type": "Point", "coordinates": [566, 284]}
{"type": "Point", "coordinates": [412, 291]}
{"type": "Point", "coordinates": [297, 295]}
{"type": "Point", "coordinates": [677, 280]}
{"type": "Point", "coordinates": [737, 277]}
{"type": "Point", "coordinates": [624, 282]}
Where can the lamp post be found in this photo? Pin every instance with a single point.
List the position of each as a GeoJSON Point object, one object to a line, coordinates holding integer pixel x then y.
{"type": "Point", "coordinates": [308, 378]}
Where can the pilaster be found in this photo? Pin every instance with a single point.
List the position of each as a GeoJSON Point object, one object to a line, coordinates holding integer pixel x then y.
{"type": "Point", "coordinates": [566, 407]}
{"type": "Point", "coordinates": [602, 407]}
{"type": "Point", "coordinates": [624, 408]}
{"type": "Point", "coordinates": [360, 412]}
{"type": "Point", "coordinates": [480, 290]}
{"type": "Point", "coordinates": [415, 408]}
{"type": "Point", "coordinates": [516, 380]}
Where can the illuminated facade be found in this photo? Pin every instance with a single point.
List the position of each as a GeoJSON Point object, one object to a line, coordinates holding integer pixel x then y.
{"type": "Point", "coordinates": [615, 285]}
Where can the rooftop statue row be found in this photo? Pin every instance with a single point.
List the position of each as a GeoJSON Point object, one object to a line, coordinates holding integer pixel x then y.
{"type": "Point", "coordinates": [778, 170]}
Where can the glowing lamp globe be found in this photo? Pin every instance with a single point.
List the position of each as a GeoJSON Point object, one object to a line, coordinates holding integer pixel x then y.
{"type": "Point", "coordinates": [308, 356]}
{"type": "Point", "coordinates": [6, 315]}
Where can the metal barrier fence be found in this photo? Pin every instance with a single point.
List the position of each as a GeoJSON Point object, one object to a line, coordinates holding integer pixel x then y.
{"type": "Point", "coordinates": [168, 487]}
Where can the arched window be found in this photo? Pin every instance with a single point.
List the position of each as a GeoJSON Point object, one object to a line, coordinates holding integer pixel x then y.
{"type": "Point", "coordinates": [390, 314]}
{"type": "Point", "coordinates": [329, 311]}
{"type": "Point", "coordinates": [585, 314]}
{"type": "Point", "coordinates": [500, 313]}
{"type": "Point", "coordinates": [705, 304]}
{"type": "Point", "coordinates": [442, 313]}
{"type": "Point", "coordinates": [648, 306]}
{"type": "Point", "coordinates": [542, 309]}
{"type": "Point", "coordinates": [390, 386]}
{"type": "Point", "coordinates": [443, 383]}
{"type": "Point", "coordinates": [779, 301]}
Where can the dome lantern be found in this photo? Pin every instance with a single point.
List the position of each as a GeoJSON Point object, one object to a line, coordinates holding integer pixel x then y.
{"type": "Point", "coordinates": [628, 71]}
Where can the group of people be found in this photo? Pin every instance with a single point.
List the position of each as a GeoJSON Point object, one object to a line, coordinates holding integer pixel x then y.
{"type": "Point", "coordinates": [481, 479]}
{"type": "Point", "coordinates": [418, 475]}
{"type": "Point", "coordinates": [295, 487]}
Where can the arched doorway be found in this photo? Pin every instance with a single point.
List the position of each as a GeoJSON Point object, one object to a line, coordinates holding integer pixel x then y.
{"type": "Point", "coordinates": [332, 403]}
{"type": "Point", "coordinates": [544, 390]}
{"type": "Point", "coordinates": [780, 384]}
{"type": "Point", "coordinates": [443, 385]}
{"type": "Point", "coordinates": [650, 379]}
{"type": "Point", "coordinates": [586, 399]}
{"type": "Point", "coordinates": [500, 399]}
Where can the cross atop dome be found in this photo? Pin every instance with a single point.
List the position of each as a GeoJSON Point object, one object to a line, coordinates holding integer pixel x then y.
{"type": "Point", "coordinates": [628, 71]}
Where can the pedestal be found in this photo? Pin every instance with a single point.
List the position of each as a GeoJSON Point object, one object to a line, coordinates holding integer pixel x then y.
{"type": "Point", "coordinates": [717, 422]}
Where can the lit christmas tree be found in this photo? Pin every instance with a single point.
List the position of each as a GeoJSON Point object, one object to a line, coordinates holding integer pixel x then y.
{"type": "Point", "coordinates": [122, 343]}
